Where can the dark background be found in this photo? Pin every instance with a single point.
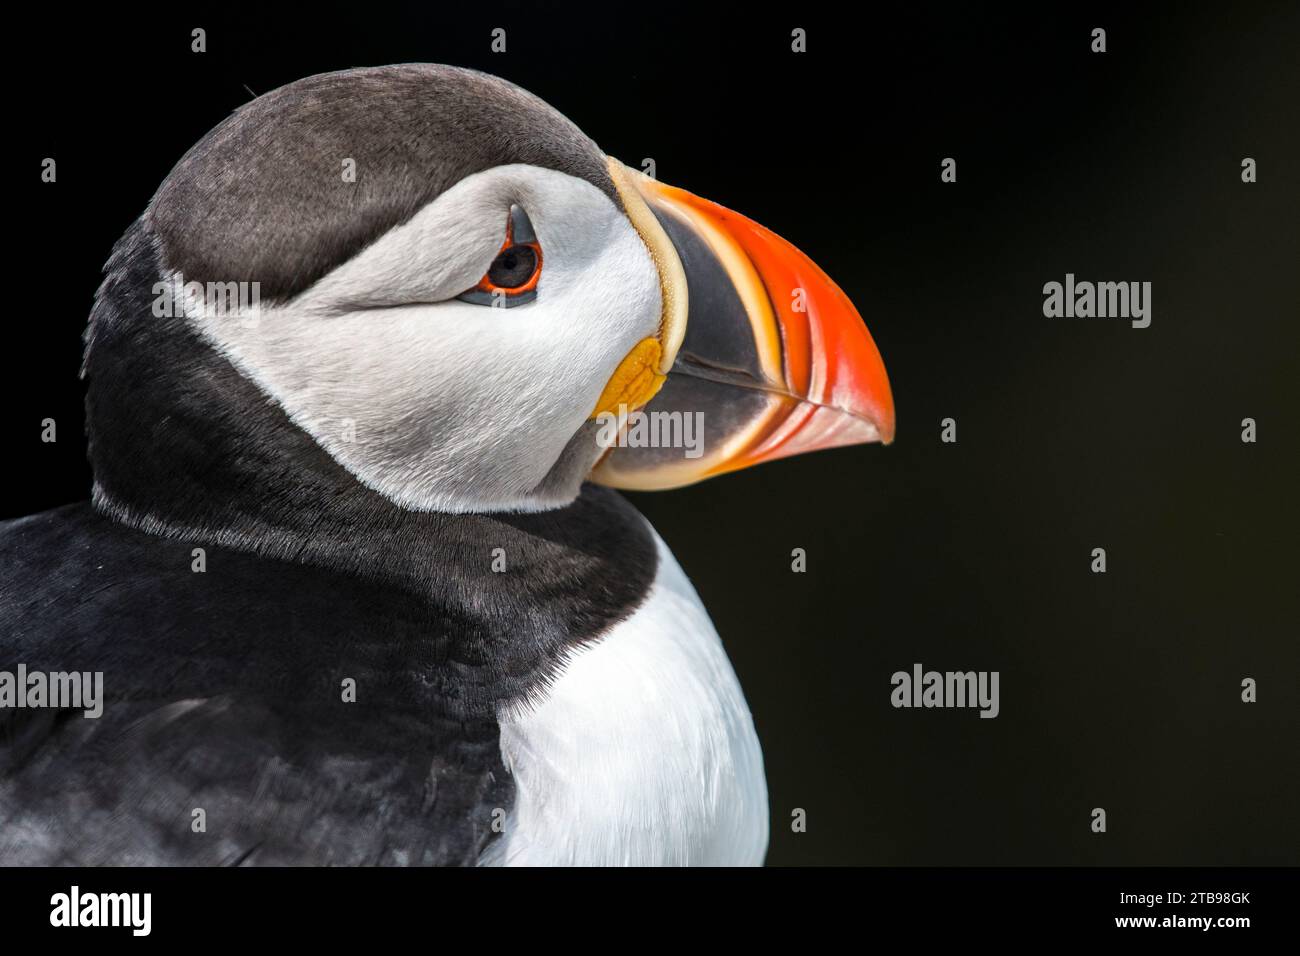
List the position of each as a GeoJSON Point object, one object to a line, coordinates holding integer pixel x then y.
{"type": "Point", "coordinates": [1119, 690]}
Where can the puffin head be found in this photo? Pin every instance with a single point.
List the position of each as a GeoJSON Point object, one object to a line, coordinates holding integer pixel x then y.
{"type": "Point", "coordinates": [452, 291]}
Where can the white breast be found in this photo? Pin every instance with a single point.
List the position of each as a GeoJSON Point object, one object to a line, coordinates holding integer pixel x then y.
{"type": "Point", "coordinates": [642, 753]}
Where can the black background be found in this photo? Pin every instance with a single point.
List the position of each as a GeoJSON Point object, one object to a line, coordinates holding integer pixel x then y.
{"type": "Point", "coordinates": [1119, 690]}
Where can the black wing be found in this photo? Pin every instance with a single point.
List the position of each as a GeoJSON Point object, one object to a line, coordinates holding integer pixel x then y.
{"type": "Point", "coordinates": [225, 737]}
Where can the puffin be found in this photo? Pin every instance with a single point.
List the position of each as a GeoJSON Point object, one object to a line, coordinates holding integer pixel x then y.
{"type": "Point", "coordinates": [355, 577]}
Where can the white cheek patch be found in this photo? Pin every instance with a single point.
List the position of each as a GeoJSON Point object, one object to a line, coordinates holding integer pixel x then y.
{"type": "Point", "coordinates": [440, 404]}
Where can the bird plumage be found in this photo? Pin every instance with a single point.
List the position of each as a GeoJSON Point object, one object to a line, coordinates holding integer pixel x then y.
{"type": "Point", "coordinates": [352, 596]}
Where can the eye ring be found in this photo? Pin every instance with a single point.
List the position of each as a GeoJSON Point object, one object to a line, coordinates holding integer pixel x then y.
{"type": "Point", "coordinates": [516, 269]}
{"type": "Point", "coordinates": [512, 277]}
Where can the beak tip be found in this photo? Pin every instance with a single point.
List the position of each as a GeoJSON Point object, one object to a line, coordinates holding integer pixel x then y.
{"type": "Point", "coordinates": [887, 426]}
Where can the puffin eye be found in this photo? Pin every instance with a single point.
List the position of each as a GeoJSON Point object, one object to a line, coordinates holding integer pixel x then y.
{"type": "Point", "coordinates": [512, 277]}
{"type": "Point", "coordinates": [513, 268]}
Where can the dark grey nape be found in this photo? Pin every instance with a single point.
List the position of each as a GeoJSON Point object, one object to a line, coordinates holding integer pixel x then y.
{"type": "Point", "coordinates": [262, 198]}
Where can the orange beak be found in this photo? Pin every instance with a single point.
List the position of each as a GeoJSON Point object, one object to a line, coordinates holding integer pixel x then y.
{"type": "Point", "coordinates": [774, 360]}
